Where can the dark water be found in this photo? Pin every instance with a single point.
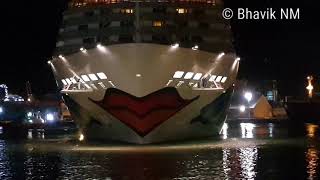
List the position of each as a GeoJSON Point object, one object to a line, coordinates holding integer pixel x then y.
{"type": "Point", "coordinates": [244, 151]}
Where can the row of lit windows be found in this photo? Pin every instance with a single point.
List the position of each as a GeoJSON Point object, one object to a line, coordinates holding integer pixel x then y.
{"type": "Point", "coordinates": [84, 78]}
{"type": "Point", "coordinates": [178, 10]}
{"type": "Point", "coordinates": [126, 11]}
{"type": "Point", "coordinates": [190, 84]}
{"type": "Point", "coordinates": [92, 85]}
{"type": "Point", "coordinates": [197, 76]}
{"type": "Point", "coordinates": [92, 28]}
{"type": "Point", "coordinates": [182, 10]}
{"type": "Point", "coordinates": [81, 3]}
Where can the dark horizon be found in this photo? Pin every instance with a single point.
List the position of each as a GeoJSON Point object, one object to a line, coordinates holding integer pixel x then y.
{"type": "Point", "coordinates": [284, 50]}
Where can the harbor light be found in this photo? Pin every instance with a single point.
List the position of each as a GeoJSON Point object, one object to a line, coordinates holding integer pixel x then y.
{"type": "Point", "coordinates": [29, 114]}
{"type": "Point", "coordinates": [81, 137]}
{"type": "Point", "coordinates": [310, 86]}
{"type": "Point", "coordinates": [138, 75]}
{"type": "Point", "coordinates": [49, 117]}
{"type": "Point", "coordinates": [242, 108]}
{"type": "Point", "coordinates": [248, 96]}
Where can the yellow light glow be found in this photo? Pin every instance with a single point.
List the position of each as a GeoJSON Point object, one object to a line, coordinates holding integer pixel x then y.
{"type": "Point", "coordinates": [157, 23]}
{"type": "Point", "coordinates": [81, 137]}
{"type": "Point", "coordinates": [181, 10]}
{"type": "Point", "coordinates": [83, 3]}
{"type": "Point", "coordinates": [312, 158]}
{"type": "Point", "coordinates": [310, 86]}
{"type": "Point", "coordinates": [311, 130]}
{"type": "Point", "coordinates": [126, 11]}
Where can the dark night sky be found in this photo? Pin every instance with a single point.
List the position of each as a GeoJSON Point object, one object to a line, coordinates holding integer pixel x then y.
{"type": "Point", "coordinates": [278, 49]}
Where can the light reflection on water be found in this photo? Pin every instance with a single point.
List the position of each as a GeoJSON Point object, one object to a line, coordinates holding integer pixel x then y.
{"type": "Point", "coordinates": [247, 130]}
{"type": "Point", "coordinates": [270, 127]}
{"type": "Point", "coordinates": [274, 159]}
{"type": "Point", "coordinates": [311, 130]}
{"type": "Point", "coordinates": [240, 162]}
{"type": "Point", "coordinates": [312, 159]}
{"type": "Point", "coordinates": [312, 154]}
{"type": "Point", "coordinates": [224, 131]}
{"type": "Point", "coordinates": [5, 162]}
{"type": "Point", "coordinates": [248, 158]}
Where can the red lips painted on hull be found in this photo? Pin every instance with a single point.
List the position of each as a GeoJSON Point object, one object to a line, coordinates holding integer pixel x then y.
{"type": "Point", "coordinates": [143, 114]}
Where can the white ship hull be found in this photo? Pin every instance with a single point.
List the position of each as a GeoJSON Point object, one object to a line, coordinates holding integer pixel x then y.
{"type": "Point", "coordinates": [140, 100]}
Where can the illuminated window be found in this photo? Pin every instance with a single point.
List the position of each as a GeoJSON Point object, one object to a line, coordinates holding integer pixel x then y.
{"type": "Point", "coordinates": [181, 10]}
{"type": "Point", "coordinates": [169, 82]}
{"type": "Point", "coordinates": [64, 82]}
{"type": "Point", "coordinates": [93, 77]}
{"type": "Point", "coordinates": [270, 95]}
{"type": "Point", "coordinates": [101, 75]}
{"type": "Point", "coordinates": [178, 74]}
{"type": "Point", "coordinates": [73, 80]}
{"type": "Point", "coordinates": [126, 11]}
{"type": "Point", "coordinates": [212, 78]}
{"type": "Point", "coordinates": [223, 79]}
{"type": "Point", "coordinates": [78, 79]}
{"type": "Point", "coordinates": [188, 75]}
{"type": "Point", "coordinates": [68, 81]}
{"type": "Point", "coordinates": [102, 85]}
{"type": "Point", "coordinates": [218, 78]}
{"type": "Point", "coordinates": [197, 76]}
{"type": "Point", "coordinates": [157, 23]}
{"type": "Point", "coordinates": [85, 78]}
{"type": "Point", "coordinates": [111, 83]}
{"type": "Point", "coordinates": [179, 83]}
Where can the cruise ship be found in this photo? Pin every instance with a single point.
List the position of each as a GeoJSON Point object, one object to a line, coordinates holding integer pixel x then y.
{"type": "Point", "coordinates": [145, 71]}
